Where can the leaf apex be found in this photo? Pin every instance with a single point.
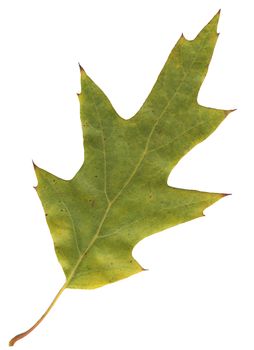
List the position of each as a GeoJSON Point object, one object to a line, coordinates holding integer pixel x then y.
{"type": "Point", "coordinates": [217, 16]}
{"type": "Point", "coordinates": [213, 23]}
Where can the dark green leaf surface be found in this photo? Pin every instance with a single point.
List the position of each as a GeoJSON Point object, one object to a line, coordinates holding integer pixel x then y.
{"type": "Point", "coordinates": [120, 195]}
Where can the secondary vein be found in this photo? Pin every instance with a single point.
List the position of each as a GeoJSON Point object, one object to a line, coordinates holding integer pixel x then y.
{"type": "Point", "coordinates": [73, 227]}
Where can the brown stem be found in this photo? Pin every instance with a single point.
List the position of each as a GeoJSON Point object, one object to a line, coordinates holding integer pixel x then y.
{"type": "Point", "coordinates": [24, 334]}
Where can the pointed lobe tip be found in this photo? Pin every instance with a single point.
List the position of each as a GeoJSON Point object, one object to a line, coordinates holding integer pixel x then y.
{"type": "Point", "coordinates": [214, 21]}
{"type": "Point", "coordinates": [34, 165]}
{"type": "Point", "coordinates": [81, 68]}
{"type": "Point", "coordinates": [227, 112]}
{"type": "Point", "coordinates": [226, 194]}
{"type": "Point", "coordinates": [144, 269]}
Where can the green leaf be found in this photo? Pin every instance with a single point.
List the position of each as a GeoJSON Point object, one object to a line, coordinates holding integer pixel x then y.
{"type": "Point", "coordinates": [120, 194]}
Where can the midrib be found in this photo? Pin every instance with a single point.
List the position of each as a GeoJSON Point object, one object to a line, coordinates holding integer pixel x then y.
{"type": "Point", "coordinates": [110, 203]}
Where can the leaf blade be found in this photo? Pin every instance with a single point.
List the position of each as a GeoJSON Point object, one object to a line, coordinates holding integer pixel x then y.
{"type": "Point", "coordinates": [127, 163]}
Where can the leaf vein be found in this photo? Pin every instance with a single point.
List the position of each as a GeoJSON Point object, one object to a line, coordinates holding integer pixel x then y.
{"type": "Point", "coordinates": [177, 137]}
{"type": "Point", "coordinates": [73, 227]}
{"type": "Point", "coordinates": [115, 233]}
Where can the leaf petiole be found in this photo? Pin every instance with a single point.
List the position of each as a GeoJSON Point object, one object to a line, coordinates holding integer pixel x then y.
{"type": "Point", "coordinates": [24, 334]}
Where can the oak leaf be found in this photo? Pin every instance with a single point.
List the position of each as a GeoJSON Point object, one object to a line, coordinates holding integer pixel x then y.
{"type": "Point", "coordinates": [120, 194]}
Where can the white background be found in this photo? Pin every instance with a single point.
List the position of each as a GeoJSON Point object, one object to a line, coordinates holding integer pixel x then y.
{"type": "Point", "coordinates": [198, 293]}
